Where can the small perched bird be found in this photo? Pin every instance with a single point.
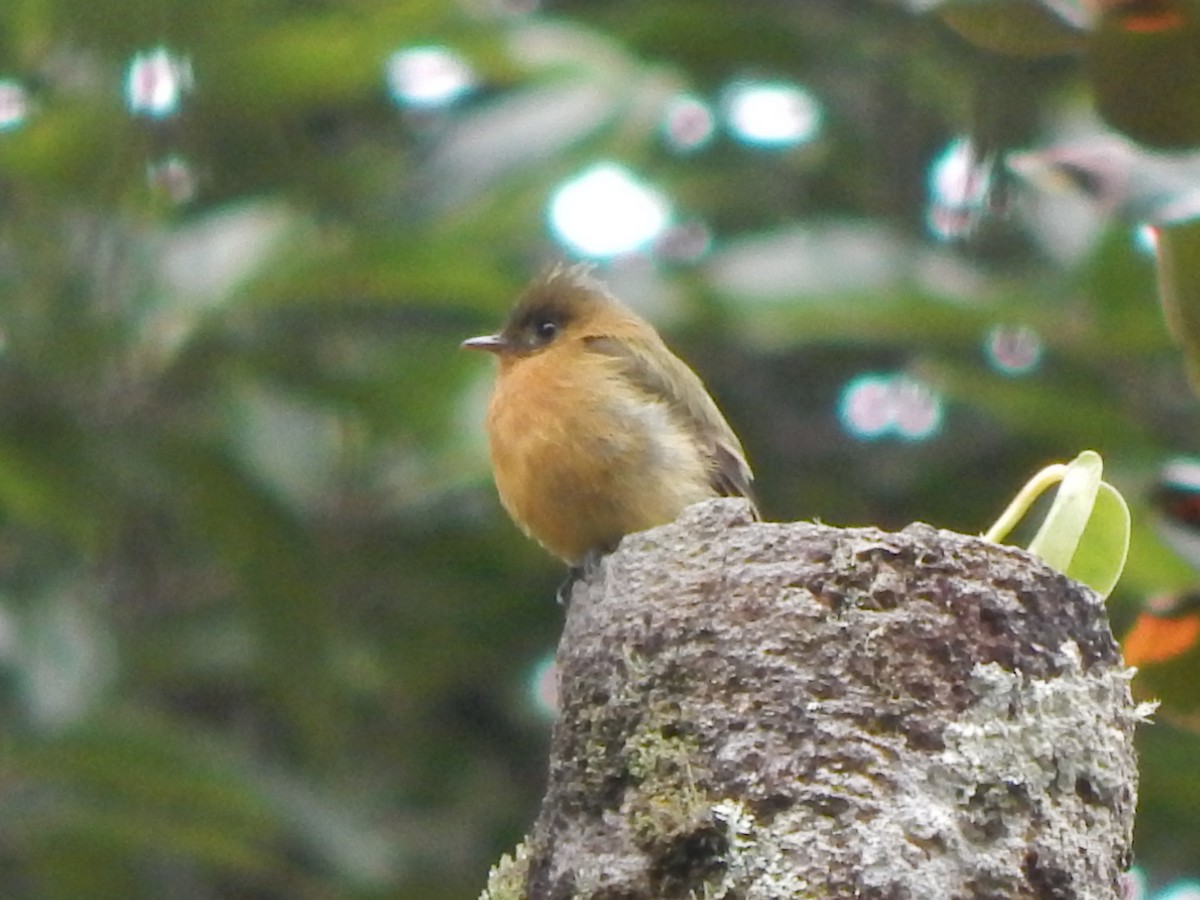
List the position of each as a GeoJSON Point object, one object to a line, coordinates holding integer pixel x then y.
{"type": "Point", "coordinates": [596, 429]}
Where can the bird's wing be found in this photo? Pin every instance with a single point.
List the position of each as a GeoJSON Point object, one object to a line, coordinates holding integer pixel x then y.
{"type": "Point", "coordinates": [668, 378]}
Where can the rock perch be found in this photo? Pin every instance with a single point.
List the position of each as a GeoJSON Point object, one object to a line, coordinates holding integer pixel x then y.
{"type": "Point", "coordinates": [756, 711]}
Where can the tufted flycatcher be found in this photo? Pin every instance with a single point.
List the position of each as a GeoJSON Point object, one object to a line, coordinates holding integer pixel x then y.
{"type": "Point", "coordinates": [595, 428]}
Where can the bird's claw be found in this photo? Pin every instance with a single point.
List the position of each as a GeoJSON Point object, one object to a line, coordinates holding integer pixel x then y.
{"type": "Point", "coordinates": [587, 567]}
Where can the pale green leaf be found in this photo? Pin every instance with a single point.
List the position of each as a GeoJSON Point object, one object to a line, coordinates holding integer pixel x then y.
{"type": "Point", "coordinates": [1100, 556]}
{"type": "Point", "coordinates": [1064, 525]}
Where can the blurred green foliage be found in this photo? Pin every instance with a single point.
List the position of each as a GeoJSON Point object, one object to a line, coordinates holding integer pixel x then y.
{"type": "Point", "coordinates": [264, 631]}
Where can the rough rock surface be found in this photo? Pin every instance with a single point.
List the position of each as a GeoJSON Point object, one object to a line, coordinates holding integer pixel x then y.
{"type": "Point", "coordinates": [756, 710]}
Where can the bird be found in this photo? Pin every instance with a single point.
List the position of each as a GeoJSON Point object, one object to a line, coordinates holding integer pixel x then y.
{"type": "Point", "coordinates": [595, 428]}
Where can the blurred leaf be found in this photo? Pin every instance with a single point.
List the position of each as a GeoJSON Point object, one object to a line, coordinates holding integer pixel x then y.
{"type": "Point", "coordinates": [1144, 61]}
{"type": "Point", "coordinates": [290, 445]}
{"type": "Point", "coordinates": [1168, 795]}
{"type": "Point", "coordinates": [1121, 177]}
{"type": "Point", "coordinates": [70, 149]}
{"type": "Point", "coordinates": [48, 474]}
{"type": "Point", "coordinates": [64, 658]}
{"type": "Point", "coordinates": [1151, 569]}
{"type": "Point", "coordinates": [134, 786]}
{"type": "Point", "coordinates": [275, 560]}
{"type": "Point", "coordinates": [1179, 289]}
{"type": "Point", "coordinates": [1019, 27]}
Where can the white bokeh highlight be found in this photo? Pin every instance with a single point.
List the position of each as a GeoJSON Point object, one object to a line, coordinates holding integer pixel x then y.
{"type": "Point", "coordinates": [607, 211]}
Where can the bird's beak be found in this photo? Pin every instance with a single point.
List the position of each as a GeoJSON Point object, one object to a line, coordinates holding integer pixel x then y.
{"type": "Point", "coordinates": [492, 343]}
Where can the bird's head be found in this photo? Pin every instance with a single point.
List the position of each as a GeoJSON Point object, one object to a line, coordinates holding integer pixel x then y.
{"type": "Point", "coordinates": [561, 304]}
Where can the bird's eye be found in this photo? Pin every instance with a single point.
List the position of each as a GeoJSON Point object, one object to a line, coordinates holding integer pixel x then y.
{"type": "Point", "coordinates": [546, 329]}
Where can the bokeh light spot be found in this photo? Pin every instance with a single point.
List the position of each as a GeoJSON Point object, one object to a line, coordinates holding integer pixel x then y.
{"type": "Point", "coordinates": [1133, 885]}
{"type": "Point", "coordinates": [1180, 890]}
{"type": "Point", "coordinates": [959, 190]}
{"type": "Point", "coordinates": [606, 211]}
{"type": "Point", "coordinates": [689, 123]}
{"type": "Point", "coordinates": [874, 406]}
{"type": "Point", "coordinates": [1145, 239]}
{"type": "Point", "coordinates": [156, 82]}
{"type": "Point", "coordinates": [14, 105]}
{"type": "Point", "coordinates": [173, 178]}
{"type": "Point", "coordinates": [866, 406]}
{"type": "Point", "coordinates": [543, 686]}
{"type": "Point", "coordinates": [771, 113]}
{"type": "Point", "coordinates": [1013, 349]}
{"type": "Point", "coordinates": [917, 409]}
{"type": "Point", "coordinates": [428, 77]}
{"type": "Point", "coordinates": [1182, 473]}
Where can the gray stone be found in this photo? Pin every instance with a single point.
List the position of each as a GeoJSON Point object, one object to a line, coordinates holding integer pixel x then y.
{"type": "Point", "coordinates": [757, 711]}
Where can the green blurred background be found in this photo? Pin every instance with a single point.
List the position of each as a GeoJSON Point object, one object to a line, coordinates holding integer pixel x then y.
{"type": "Point", "coordinates": [264, 630]}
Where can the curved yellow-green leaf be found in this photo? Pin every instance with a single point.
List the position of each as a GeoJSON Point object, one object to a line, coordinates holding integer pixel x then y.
{"type": "Point", "coordinates": [1100, 557]}
{"type": "Point", "coordinates": [1019, 505]}
{"type": "Point", "coordinates": [1059, 536]}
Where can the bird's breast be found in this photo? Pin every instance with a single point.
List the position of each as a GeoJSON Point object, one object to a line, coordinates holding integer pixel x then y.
{"type": "Point", "coordinates": [582, 457]}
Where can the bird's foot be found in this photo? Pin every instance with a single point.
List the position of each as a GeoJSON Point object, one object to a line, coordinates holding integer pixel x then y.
{"type": "Point", "coordinates": [563, 594]}
{"type": "Point", "coordinates": [586, 568]}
